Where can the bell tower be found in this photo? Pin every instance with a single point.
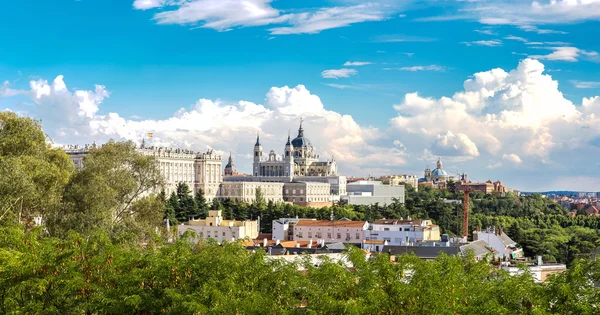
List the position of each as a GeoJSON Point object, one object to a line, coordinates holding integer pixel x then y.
{"type": "Point", "coordinates": [258, 151]}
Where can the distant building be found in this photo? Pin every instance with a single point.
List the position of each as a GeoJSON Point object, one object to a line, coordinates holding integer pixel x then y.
{"type": "Point", "coordinates": [283, 229]}
{"type": "Point", "coordinates": [200, 171]}
{"type": "Point", "coordinates": [436, 175]}
{"type": "Point", "coordinates": [540, 271]}
{"type": "Point", "coordinates": [230, 169]}
{"type": "Point", "coordinates": [403, 232]}
{"type": "Point", "coordinates": [345, 231]}
{"type": "Point", "coordinates": [221, 230]}
{"type": "Point", "coordinates": [501, 243]}
{"type": "Point", "coordinates": [299, 163]}
{"type": "Point", "coordinates": [311, 194]}
{"type": "Point", "coordinates": [412, 180]}
{"type": "Point", "coordinates": [429, 252]}
{"type": "Point", "coordinates": [246, 191]}
{"type": "Point", "coordinates": [372, 192]}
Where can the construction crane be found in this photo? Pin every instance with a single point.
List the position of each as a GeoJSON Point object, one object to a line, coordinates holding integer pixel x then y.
{"type": "Point", "coordinates": [466, 191]}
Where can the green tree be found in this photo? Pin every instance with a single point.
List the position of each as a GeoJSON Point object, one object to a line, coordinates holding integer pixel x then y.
{"type": "Point", "coordinates": [201, 204]}
{"type": "Point", "coordinates": [186, 203]}
{"type": "Point", "coordinates": [103, 194]}
{"type": "Point", "coordinates": [33, 175]}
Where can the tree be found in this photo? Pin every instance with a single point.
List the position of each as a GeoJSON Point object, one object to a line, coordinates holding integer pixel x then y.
{"type": "Point", "coordinates": [103, 194]}
{"type": "Point", "coordinates": [201, 204]}
{"type": "Point", "coordinates": [33, 174]}
{"type": "Point", "coordinates": [186, 203]}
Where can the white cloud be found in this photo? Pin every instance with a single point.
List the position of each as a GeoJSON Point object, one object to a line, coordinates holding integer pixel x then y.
{"type": "Point", "coordinates": [74, 116]}
{"type": "Point", "coordinates": [224, 15]}
{"type": "Point", "coordinates": [517, 38]}
{"type": "Point", "coordinates": [488, 43]}
{"type": "Point", "coordinates": [485, 32]}
{"type": "Point", "coordinates": [148, 4]}
{"type": "Point", "coordinates": [356, 63]}
{"type": "Point", "coordinates": [512, 158]}
{"type": "Point", "coordinates": [458, 145]}
{"type": "Point", "coordinates": [571, 54]}
{"type": "Point", "coordinates": [338, 73]}
{"type": "Point", "coordinates": [419, 68]}
{"type": "Point", "coordinates": [498, 113]}
{"type": "Point", "coordinates": [520, 112]}
{"type": "Point", "coordinates": [586, 84]}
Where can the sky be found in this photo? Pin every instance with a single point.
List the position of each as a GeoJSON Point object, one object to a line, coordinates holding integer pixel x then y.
{"type": "Point", "coordinates": [500, 90]}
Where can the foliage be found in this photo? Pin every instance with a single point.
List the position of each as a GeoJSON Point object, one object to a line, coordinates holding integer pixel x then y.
{"type": "Point", "coordinates": [96, 274]}
{"type": "Point", "coordinates": [33, 174]}
{"type": "Point", "coordinates": [113, 191]}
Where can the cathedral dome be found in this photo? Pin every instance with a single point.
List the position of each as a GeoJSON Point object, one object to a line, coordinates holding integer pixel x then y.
{"type": "Point", "coordinates": [438, 172]}
{"type": "Point", "coordinates": [300, 141]}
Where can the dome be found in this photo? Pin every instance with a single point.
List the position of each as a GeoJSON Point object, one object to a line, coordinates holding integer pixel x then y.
{"type": "Point", "coordinates": [438, 172]}
{"type": "Point", "coordinates": [300, 141]}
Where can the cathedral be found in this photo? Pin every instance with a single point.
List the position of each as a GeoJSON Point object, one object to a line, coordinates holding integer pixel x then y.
{"type": "Point", "coordinates": [299, 163]}
{"type": "Point", "coordinates": [299, 159]}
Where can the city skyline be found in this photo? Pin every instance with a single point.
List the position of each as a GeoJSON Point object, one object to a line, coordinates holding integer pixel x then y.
{"type": "Point", "coordinates": [498, 90]}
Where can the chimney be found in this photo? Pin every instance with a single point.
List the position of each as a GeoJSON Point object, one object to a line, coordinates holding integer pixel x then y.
{"type": "Point", "coordinates": [297, 245]}
{"type": "Point", "coordinates": [265, 242]}
{"type": "Point", "coordinates": [539, 260]}
{"type": "Point", "coordinates": [478, 228]}
{"type": "Point", "coordinates": [309, 243]}
{"type": "Point", "coordinates": [277, 242]}
{"type": "Point", "coordinates": [500, 231]}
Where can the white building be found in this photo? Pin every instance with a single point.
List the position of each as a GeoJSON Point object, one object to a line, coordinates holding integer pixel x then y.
{"type": "Point", "coordinates": [540, 271]}
{"type": "Point", "coordinates": [367, 192]}
{"type": "Point", "coordinates": [283, 229]}
{"type": "Point", "coordinates": [197, 170]}
{"type": "Point", "coordinates": [299, 163]}
{"type": "Point", "coordinates": [403, 232]}
{"type": "Point", "coordinates": [398, 180]}
{"type": "Point", "coordinates": [503, 245]}
{"type": "Point", "coordinates": [246, 191]}
{"type": "Point", "coordinates": [344, 231]}
{"type": "Point", "coordinates": [221, 230]}
{"type": "Point", "coordinates": [307, 193]}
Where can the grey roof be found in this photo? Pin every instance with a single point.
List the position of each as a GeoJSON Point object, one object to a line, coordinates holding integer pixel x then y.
{"type": "Point", "coordinates": [300, 140]}
{"type": "Point", "coordinates": [479, 248]}
{"type": "Point", "coordinates": [506, 240]}
{"type": "Point", "coordinates": [341, 246]}
{"type": "Point", "coordinates": [425, 252]}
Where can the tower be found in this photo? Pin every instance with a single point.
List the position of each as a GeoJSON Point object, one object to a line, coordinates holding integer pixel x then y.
{"type": "Point", "coordinates": [439, 163]}
{"type": "Point", "coordinates": [288, 158]}
{"type": "Point", "coordinates": [258, 151]}
{"type": "Point", "coordinates": [230, 169]}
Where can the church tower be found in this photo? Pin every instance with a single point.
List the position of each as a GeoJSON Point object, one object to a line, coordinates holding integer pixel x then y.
{"type": "Point", "coordinates": [288, 158]}
{"type": "Point", "coordinates": [230, 169]}
{"type": "Point", "coordinates": [258, 151]}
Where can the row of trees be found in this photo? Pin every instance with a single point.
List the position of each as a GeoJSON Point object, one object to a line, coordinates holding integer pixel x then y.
{"type": "Point", "coordinates": [96, 274]}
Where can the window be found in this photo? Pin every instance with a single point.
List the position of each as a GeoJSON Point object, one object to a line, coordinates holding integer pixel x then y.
{"type": "Point", "coordinates": [309, 234]}
{"type": "Point", "coordinates": [328, 235]}
{"type": "Point", "coordinates": [357, 236]}
{"type": "Point", "coordinates": [300, 234]}
{"type": "Point", "coordinates": [406, 229]}
{"type": "Point", "coordinates": [347, 236]}
{"type": "Point", "coordinates": [387, 239]}
{"type": "Point", "coordinates": [318, 234]}
{"type": "Point", "coordinates": [339, 235]}
{"type": "Point", "coordinates": [208, 234]}
{"type": "Point", "coordinates": [223, 234]}
{"type": "Point", "coordinates": [386, 229]}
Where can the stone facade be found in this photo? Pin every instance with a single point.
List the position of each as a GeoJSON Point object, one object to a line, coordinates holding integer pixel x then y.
{"type": "Point", "coordinates": [197, 170]}
{"type": "Point", "coordinates": [246, 191]}
{"type": "Point", "coordinates": [306, 193]}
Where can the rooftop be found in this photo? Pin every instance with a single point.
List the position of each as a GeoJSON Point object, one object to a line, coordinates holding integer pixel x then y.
{"type": "Point", "coordinates": [341, 223]}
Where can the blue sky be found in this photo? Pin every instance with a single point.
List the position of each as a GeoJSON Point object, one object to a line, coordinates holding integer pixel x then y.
{"type": "Point", "coordinates": [208, 73]}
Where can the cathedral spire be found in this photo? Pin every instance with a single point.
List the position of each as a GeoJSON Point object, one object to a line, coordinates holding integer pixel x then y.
{"type": "Point", "coordinates": [289, 142]}
{"type": "Point", "coordinates": [230, 159]}
{"type": "Point", "coordinates": [300, 130]}
{"type": "Point", "coordinates": [257, 139]}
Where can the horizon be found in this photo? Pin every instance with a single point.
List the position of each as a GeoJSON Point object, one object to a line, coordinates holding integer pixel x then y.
{"type": "Point", "coordinates": [498, 90]}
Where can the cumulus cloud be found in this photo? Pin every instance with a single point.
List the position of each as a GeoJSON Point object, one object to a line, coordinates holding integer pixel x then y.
{"type": "Point", "coordinates": [338, 73]}
{"type": "Point", "coordinates": [223, 15]}
{"type": "Point", "coordinates": [497, 114]}
{"type": "Point", "coordinates": [458, 145]}
{"type": "Point", "coordinates": [520, 112]}
{"type": "Point", "coordinates": [74, 116]}
{"type": "Point", "coordinates": [512, 158]}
